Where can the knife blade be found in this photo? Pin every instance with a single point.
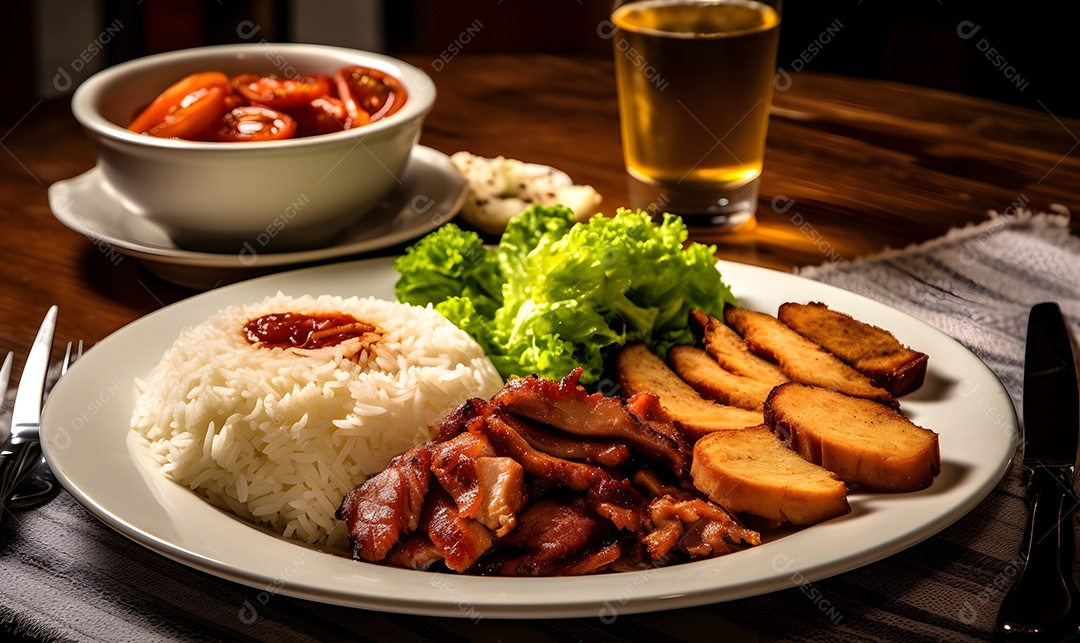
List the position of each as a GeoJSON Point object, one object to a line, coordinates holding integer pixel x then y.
{"type": "Point", "coordinates": [22, 447]}
{"type": "Point", "coordinates": [1044, 603]}
{"type": "Point", "coordinates": [1051, 398]}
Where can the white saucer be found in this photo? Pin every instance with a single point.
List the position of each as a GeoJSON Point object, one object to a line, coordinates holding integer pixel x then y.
{"type": "Point", "coordinates": [431, 192]}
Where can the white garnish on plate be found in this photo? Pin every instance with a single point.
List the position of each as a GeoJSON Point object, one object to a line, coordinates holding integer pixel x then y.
{"type": "Point", "coordinates": [502, 188]}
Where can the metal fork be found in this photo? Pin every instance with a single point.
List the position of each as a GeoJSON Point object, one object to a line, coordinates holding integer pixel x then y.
{"type": "Point", "coordinates": [38, 485]}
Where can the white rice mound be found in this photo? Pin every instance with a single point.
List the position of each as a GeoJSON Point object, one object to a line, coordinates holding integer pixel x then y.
{"type": "Point", "coordinates": [279, 436]}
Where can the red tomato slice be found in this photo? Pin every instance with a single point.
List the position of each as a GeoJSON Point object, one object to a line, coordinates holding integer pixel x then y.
{"type": "Point", "coordinates": [321, 116]}
{"type": "Point", "coordinates": [282, 93]}
{"type": "Point", "coordinates": [369, 92]}
{"type": "Point", "coordinates": [255, 123]}
{"type": "Point", "coordinates": [170, 100]}
{"type": "Point", "coordinates": [208, 134]}
{"type": "Point", "coordinates": [197, 111]}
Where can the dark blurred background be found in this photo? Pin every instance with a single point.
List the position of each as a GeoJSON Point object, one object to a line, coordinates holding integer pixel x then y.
{"type": "Point", "coordinates": [1021, 56]}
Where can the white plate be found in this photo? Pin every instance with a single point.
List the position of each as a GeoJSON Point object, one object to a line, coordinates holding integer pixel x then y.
{"type": "Point", "coordinates": [85, 434]}
{"type": "Point", "coordinates": [430, 193]}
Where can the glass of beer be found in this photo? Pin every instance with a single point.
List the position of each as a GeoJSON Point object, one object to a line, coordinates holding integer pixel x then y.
{"type": "Point", "coordinates": [695, 80]}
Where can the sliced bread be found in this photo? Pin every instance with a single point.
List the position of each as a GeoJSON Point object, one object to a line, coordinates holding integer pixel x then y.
{"type": "Point", "coordinates": [712, 381]}
{"type": "Point", "coordinates": [731, 352]}
{"type": "Point", "coordinates": [639, 370]}
{"type": "Point", "coordinates": [753, 471]}
{"type": "Point", "coordinates": [859, 440]}
{"type": "Point", "coordinates": [799, 358]}
{"type": "Point", "coordinates": [873, 351]}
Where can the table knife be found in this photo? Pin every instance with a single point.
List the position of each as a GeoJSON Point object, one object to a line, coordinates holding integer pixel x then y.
{"type": "Point", "coordinates": [1044, 603]}
{"type": "Point", "coordinates": [23, 447]}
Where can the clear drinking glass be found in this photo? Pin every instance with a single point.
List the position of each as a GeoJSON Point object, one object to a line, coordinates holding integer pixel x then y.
{"type": "Point", "coordinates": [695, 81]}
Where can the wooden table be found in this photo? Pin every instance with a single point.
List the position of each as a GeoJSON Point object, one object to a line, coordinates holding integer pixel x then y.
{"type": "Point", "coordinates": [852, 167]}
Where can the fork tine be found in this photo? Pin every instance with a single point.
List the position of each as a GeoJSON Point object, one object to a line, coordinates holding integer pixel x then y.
{"type": "Point", "coordinates": [70, 357]}
{"type": "Point", "coordinates": [5, 372]}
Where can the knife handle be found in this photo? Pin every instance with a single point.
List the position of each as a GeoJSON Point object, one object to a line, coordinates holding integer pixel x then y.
{"type": "Point", "coordinates": [1044, 603]}
{"type": "Point", "coordinates": [16, 461]}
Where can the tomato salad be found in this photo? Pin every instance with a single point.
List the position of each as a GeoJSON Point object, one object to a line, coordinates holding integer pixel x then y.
{"type": "Point", "coordinates": [210, 106]}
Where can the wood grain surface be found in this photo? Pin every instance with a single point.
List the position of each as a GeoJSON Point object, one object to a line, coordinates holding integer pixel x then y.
{"type": "Point", "coordinates": [852, 167]}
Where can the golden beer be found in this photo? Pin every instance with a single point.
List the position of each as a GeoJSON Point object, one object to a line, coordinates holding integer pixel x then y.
{"type": "Point", "coordinates": [695, 82]}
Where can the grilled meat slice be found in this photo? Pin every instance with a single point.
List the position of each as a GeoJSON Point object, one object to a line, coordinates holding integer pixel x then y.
{"type": "Point", "coordinates": [454, 464]}
{"type": "Point", "coordinates": [654, 487]}
{"type": "Point", "coordinates": [568, 406]}
{"type": "Point", "coordinates": [458, 421]}
{"type": "Point", "coordinates": [415, 551]}
{"type": "Point", "coordinates": [503, 495]}
{"type": "Point", "coordinates": [387, 505]}
{"type": "Point", "coordinates": [591, 561]}
{"type": "Point", "coordinates": [609, 494]}
{"type": "Point", "coordinates": [604, 452]}
{"type": "Point", "coordinates": [485, 487]}
{"type": "Point", "coordinates": [463, 498]}
{"type": "Point", "coordinates": [695, 527]}
{"type": "Point", "coordinates": [461, 540]}
{"type": "Point", "coordinates": [549, 531]}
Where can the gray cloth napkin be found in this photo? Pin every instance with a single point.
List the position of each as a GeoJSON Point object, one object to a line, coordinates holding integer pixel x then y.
{"type": "Point", "coordinates": [64, 576]}
{"type": "Point", "coordinates": [976, 284]}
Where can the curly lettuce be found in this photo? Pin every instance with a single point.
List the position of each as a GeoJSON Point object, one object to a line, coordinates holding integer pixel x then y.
{"type": "Point", "coordinates": [556, 295]}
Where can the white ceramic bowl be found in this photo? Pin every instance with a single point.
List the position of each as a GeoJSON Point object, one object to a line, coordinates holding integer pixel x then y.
{"type": "Point", "coordinates": [248, 197]}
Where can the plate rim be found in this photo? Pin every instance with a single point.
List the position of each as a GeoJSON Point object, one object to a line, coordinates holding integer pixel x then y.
{"type": "Point", "coordinates": [521, 604]}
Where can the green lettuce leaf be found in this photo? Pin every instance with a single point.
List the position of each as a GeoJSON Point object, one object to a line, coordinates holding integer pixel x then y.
{"type": "Point", "coordinates": [449, 262]}
{"type": "Point", "coordinates": [556, 295]}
